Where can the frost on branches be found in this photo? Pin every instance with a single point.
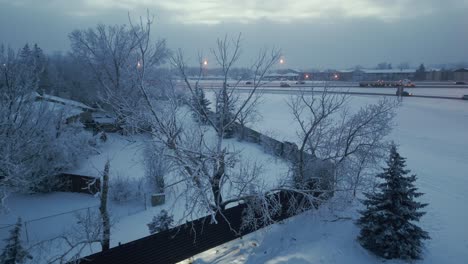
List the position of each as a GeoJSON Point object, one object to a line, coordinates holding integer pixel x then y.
{"type": "Point", "coordinates": [387, 223]}
{"type": "Point", "coordinates": [36, 143]}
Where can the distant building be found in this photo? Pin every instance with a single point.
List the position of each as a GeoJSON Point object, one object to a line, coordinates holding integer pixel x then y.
{"type": "Point", "coordinates": [388, 74]}
{"type": "Point", "coordinates": [374, 75]}
{"type": "Point", "coordinates": [284, 75]}
{"type": "Point", "coordinates": [461, 75]}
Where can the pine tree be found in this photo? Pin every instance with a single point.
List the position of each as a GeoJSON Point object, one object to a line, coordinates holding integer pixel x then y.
{"type": "Point", "coordinates": [387, 223]}
{"type": "Point", "coordinates": [26, 54]}
{"type": "Point", "coordinates": [224, 113]}
{"type": "Point", "coordinates": [161, 222]}
{"type": "Point", "coordinates": [200, 105]}
{"type": "Point", "coordinates": [14, 253]}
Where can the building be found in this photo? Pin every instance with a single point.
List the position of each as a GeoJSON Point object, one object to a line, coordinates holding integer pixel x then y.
{"type": "Point", "coordinates": [284, 75]}
{"type": "Point", "coordinates": [388, 74]}
{"type": "Point", "coordinates": [461, 75]}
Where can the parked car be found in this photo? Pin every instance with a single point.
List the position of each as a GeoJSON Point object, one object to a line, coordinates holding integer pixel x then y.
{"type": "Point", "coordinates": [460, 83]}
{"type": "Point", "coordinates": [284, 84]}
{"type": "Point", "coordinates": [248, 82]}
{"type": "Point", "coordinates": [300, 82]}
{"type": "Point", "coordinates": [465, 97]}
{"type": "Point", "coordinates": [404, 93]}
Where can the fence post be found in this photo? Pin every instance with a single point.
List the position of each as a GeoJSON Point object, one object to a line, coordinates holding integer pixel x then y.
{"type": "Point", "coordinates": [26, 230]}
{"type": "Point", "coordinates": [144, 196]}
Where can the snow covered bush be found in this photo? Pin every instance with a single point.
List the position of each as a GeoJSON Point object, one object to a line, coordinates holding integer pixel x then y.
{"type": "Point", "coordinates": [387, 223]}
{"type": "Point", "coordinates": [123, 188]}
{"type": "Point", "coordinates": [162, 222]}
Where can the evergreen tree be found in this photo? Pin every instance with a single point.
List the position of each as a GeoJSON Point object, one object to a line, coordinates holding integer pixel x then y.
{"type": "Point", "coordinates": [387, 223]}
{"type": "Point", "coordinates": [420, 74]}
{"type": "Point", "coordinates": [200, 105]}
{"type": "Point", "coordinates": [14, 253]}
{"type": "Point", "coordinates": [161, 222]}
{"type": "Point", "coordinates": [224, 113]}
{"type": "Point", "coordinates": [26, 54]}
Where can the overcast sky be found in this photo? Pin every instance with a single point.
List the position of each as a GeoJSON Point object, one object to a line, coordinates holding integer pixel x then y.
{"type": "Point", "coordinates": [310, 33]}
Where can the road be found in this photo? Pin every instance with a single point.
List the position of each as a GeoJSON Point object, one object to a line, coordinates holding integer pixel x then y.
{"type": "Point", "coordinates": [424, 90]}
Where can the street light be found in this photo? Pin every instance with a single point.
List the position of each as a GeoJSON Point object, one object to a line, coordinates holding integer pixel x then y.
{"type": "Point", "coordinates": [281, 61]}
{"type": "Point", "coordinates": [205, 62]}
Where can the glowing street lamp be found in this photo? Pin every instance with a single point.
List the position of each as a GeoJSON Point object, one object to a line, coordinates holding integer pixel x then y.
{"type": "Point", "coordinates": [306, 76]}
{"type": "Point", "coordinates": [281, 61]}
{"type": "Point", "coordinates": [205, 62]}
{"type": "Point", "coordinates": [139, 65]}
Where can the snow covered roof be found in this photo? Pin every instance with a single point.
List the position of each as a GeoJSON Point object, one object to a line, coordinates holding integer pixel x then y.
{"type": "Point", "coordinates": [60, 100]}
{"type": "Point", "coordinates": [289, 74]}
{"type": "Point", "coordinates": [462, 70]}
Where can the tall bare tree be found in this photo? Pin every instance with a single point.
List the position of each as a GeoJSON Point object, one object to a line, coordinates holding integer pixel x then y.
{"type": "Point", "coordinates": [119, 57]}
{"type": "Point", "coordinates": [351, 142]}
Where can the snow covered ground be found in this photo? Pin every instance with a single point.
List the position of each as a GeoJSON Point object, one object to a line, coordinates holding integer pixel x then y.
{"type": "Point", "coordinates": [126, 156]}
{"type": "Point", "coordinates": [432, 134]}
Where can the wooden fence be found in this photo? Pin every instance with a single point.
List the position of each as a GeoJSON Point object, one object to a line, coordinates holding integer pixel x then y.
{"type": "Point", "coordinates": [187, 240]}
{"type": "Point", "coordinates": [79, 183]}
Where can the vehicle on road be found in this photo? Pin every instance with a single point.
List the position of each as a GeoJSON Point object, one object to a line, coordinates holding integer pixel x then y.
{"type": "Point", "coordinates": [465, 97]}
{"type": "Point", "coordinates": [300, 82]}
{"type": "Point", "coordinates": [407, 83]}
{"type": "Point", "coordinates": [284, 84]}
{"type": "Point", "coordinates": [460, 83]}
{"type": "Point", "coordinates": [248, 82]}
{"type": "Point", "coordinates": [403, 93]}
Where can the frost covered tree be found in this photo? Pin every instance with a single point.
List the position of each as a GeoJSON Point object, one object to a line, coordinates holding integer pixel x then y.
{"type": "Point", "coordinates": [14, 253]}
{"type": "Point", "coordinates": [36, 143]}
{"type": "Point", "coordinates": [388, 223]}
{"type": "Point", "coordinates": [197, 150]}
{"type": "Point", "coordinates": [350, 142]}
{"type": "Point", "coordinates": [162, 222]}
{"type": "Point", "coordinates": [119, 57]}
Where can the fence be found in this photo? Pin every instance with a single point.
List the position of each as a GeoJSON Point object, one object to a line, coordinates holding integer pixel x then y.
{"type": "Point", "coordinates": [187, 240]}
{"type": "Point", "coordinates": [43, 228]}
{"type": "Point", "coordinates": [50, 226]}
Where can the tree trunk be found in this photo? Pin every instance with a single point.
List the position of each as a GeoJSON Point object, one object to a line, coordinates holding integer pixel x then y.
{"type": "Point", "coordinates": [105, 243]}
{"type": "Point", "coordinates": [216, 182]}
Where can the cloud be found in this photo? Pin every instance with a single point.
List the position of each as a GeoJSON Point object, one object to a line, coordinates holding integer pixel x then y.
{"type": "Point", "coordinates": [251, 11]}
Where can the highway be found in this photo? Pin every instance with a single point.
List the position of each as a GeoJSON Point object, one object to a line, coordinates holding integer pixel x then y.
{"type": "Point", "coordinates": [438, 90]}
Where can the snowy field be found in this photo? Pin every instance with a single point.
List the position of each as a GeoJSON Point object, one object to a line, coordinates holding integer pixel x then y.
{"type": "Point", "coordinates": [432, 134]}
